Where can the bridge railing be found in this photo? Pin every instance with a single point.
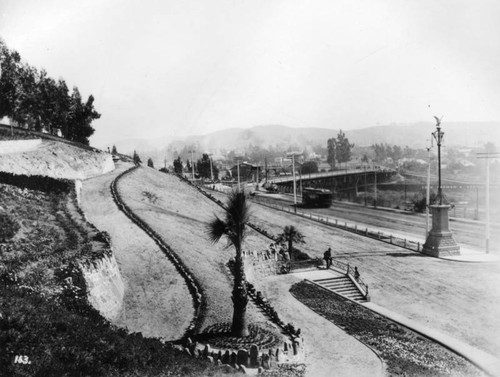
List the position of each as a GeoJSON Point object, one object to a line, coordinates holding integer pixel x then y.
{"type": "Point", "coordinates": [329, 174]}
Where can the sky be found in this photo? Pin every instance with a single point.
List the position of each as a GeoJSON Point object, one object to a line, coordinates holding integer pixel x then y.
{"type": "Point", "coordinates": [175, 68]}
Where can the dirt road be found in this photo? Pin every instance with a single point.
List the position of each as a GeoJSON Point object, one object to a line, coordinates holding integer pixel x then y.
{"type": "Point", "coordinates": [157, 302]}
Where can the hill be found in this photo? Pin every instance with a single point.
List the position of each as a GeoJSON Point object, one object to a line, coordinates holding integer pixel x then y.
{"type": "Point", "coordinates": [415, 135]}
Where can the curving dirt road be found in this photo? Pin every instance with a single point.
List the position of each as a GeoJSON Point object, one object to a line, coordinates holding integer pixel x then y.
{"type": "Point", "coordinates": [156, 299]}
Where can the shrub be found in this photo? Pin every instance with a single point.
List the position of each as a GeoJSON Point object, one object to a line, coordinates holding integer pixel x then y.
{"type": "Point", "coordinates": [8, 227]}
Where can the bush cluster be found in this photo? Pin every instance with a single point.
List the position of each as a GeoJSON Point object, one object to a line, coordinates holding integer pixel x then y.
{"type": "Point", "coordinates": [8, 227]}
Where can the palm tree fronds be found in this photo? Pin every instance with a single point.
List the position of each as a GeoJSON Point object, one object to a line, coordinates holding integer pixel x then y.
{"type": "Point", "coordinates": [215, 229]}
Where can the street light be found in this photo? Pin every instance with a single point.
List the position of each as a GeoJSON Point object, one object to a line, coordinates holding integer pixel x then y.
{"type": "Point", "coordinates": [293, 155]}
{"type": "Point", "coordinates": [427, 197]}
{"type": "Point", "coordinates": [438, 136]}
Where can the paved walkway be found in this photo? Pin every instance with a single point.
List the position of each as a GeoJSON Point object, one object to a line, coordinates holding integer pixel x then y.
{"type": "Point", "coordinates": [488, 363]}
{"type": "Point", "coordinates": [329, 350]}
{"type": "Point", "coordinates": [485, 361]}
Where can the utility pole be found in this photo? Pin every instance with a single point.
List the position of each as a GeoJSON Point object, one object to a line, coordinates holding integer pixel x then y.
{"type": "Point", "coordinates": [487, 156]}
{"type": "Point", "coordinates": [237, 159]}
{"type": "Point", "coordinates": [211, 170]}
{"type": "Point", "coordinates": [192, 162]}
{"type": "Point", "coordinates": [293, 155]}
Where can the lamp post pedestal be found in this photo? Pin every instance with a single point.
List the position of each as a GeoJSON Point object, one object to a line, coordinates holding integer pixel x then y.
{"type": "Point", "coordinates": [440, 241]}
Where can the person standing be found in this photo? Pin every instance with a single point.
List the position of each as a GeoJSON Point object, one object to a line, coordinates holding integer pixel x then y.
{"type": "Point", "coordinates": [327, 256]}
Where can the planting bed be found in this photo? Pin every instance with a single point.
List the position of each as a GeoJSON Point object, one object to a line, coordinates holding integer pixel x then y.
{"type": "Point", "coordinates": [405, 352]}
{"type": "Point", "coordinates": [219, 335]}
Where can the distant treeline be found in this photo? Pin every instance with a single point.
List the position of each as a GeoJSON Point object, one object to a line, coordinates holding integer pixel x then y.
{"type": "Point", "coordinates": [36, 182]}
{"type": "Point", "coordinates": [37, 102]}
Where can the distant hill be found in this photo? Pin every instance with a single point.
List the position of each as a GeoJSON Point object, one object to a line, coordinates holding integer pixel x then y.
{"type": "Point", "coordinates": [415, 135]}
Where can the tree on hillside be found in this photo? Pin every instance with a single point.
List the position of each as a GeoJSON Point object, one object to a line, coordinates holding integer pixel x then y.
{"type": "Point", "coordinates": [344, 148]}
{"type": "Point", "coordinates": [289, 236]}
{"type": "Point", "coordinates": [150, 163]}
{"type": "Point", "coordinates": [233, 227]}
{"type": "Point", "coordinates": [113, 150]}
{"type": "Point", "coordinates": [136, 158]}
{"type": "Point", "coordinates": [33, 99]}
{"type": "Point", "coordinates": [331, 147]}
{"type": "Point", "coordinates": [178, 165]}
{"type": "Point", "coordinates": [80, 118]}
{"type": "Point", "coordinates": [204, 168]}
{"type": "Point", "coordinates": [188, 165]}
{"type": "Point", "coordinates": [309, 167]}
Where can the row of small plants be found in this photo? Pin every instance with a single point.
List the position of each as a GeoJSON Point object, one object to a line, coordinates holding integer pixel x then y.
{"type": "Point", "coordinates": [405, 352]}
{"type": "Point", "coordinates": [45, 317]}
{"type": "Point", "coordinates": [257, 297]}
{"type": "Point", "coordinates": [194, 287]}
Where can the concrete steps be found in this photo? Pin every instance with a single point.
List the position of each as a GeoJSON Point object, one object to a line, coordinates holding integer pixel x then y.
{"type": "Point", "coordinates": [343, 286]}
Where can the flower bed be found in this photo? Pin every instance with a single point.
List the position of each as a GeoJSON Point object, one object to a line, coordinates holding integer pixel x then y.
{"type": "Point", "coordinates": [219, 336]}
{"type": "Point", "coordinates": [405, 352]}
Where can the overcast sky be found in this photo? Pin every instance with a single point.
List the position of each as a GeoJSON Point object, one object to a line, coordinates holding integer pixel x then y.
{"type": "Point", "coordinates": [163, 67]}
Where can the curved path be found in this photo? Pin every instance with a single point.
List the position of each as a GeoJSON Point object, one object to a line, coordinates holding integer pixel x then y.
{"type": "Point", "coordinates": [155, 295]}
{"type": "Point", "coordinates": [330, 351]}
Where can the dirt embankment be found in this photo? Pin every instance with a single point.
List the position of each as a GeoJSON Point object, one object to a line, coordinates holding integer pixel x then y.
{"type": "Point", "coordinates": [156, 302]}
{"type": "Point", "coordinates": [57, 160]}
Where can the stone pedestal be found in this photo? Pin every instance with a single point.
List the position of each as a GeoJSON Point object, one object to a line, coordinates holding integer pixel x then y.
{"type": "Point", "coordinates": [440, 242]}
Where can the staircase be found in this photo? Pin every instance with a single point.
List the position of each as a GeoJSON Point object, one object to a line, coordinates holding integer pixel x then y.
{"type": "Point", "coordinates": [343, 286]}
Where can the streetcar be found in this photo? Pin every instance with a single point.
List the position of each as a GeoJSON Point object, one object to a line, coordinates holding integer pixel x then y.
{"type": "Point", "coordinates": [314, 197]}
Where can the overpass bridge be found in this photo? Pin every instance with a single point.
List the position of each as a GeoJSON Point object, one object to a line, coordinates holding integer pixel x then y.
{"type": "Point", "coordinates": [343, 183]}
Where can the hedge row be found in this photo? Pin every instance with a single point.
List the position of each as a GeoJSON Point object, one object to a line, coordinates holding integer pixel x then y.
{"type": "Point", "coordinates": [194, 287]}
{"type": "Point", "coordinates": [37, 182]}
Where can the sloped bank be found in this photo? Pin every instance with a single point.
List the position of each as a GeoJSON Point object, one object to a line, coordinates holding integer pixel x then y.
{"type": "Point", "coordinates": [199, 301]}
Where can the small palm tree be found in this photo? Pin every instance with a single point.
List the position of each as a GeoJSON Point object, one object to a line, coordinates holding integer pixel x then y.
{"type": "Point", "coordinates": [233, 227]}
{"type": "Point", "coordinates": [290, 235]}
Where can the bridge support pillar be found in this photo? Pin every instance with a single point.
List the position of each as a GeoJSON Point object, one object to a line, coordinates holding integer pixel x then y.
{"type": "Point", "coordinates": [440, 241]}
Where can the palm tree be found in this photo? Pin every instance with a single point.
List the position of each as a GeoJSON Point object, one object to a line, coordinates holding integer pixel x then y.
{"type": "Point", "coordinates": [290, 235]}
{"type": "Point", "coordinates": [233, 227]}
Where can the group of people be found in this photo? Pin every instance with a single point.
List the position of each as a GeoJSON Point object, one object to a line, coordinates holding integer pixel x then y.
{"type": "Point", "coordinates": [275, 251]}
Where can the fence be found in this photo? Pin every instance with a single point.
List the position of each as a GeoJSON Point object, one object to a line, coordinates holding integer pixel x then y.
{"type": "Point", "coordinates": [380, 236]}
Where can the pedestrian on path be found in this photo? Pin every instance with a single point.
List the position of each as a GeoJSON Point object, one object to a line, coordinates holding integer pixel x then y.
{"type": "Point", "coordinates": [327, 256]}
{"type": "Point", "coordinates": [356, 273]}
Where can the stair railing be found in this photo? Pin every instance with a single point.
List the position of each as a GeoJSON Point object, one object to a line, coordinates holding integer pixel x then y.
{"type": "Point", "coordinates": [350, 272]}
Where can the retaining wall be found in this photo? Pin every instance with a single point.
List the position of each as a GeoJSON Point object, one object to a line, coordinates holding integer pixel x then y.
{"type": "Point", "coordinates": [13, 146]}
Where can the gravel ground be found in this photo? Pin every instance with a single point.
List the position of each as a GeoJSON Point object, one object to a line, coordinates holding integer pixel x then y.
{"type": "Point", "coordinates": [157, 302]}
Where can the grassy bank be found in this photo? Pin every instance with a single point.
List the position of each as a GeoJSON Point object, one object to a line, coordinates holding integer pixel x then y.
{"type": "Point", "coordinates": [45, 316]}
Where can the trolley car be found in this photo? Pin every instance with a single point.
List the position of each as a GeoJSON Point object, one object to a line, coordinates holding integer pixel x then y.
{"type": "Point", "coordinates": [313, 197]}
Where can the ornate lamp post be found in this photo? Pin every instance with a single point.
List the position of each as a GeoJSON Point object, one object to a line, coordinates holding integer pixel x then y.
{"type": "Point", "coordinates": [438, 136]}
{"type": "Point", "coordinates": [440, 240]}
